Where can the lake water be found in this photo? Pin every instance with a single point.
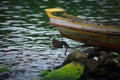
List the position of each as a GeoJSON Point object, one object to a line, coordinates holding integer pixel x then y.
{"type": "Point", "coordinates": [25, 35]}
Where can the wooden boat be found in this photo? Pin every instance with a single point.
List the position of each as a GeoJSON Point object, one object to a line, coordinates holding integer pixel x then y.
{"type": "Point", "coordinates": [88, 32]}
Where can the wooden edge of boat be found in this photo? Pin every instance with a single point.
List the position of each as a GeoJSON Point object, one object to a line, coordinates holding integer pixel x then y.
{"type": "Point", "coordinates": [96, 24]}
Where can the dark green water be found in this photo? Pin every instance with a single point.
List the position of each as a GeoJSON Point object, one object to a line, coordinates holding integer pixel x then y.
{"type": "Point", "coordinates": [25, 35]}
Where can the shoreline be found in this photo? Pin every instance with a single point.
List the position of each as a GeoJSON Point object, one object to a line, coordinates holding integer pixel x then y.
{"type": "Point", "coordinates": [98, 65]}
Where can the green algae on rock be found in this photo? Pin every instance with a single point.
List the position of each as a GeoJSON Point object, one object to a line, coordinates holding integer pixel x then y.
{"type": "Point", "coordinates": [43, 73]}
{"type": "Point", "coordinates": [71, 71]}
{"type": "Point", "coordinates": [4, 69]}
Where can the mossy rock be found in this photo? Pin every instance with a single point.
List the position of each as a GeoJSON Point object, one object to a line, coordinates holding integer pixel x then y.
{"type": "Point", "coordinates": [71, 71]}
{"type": "Point", "coordinates": [43, 73]}
{"type": "Point", "coordinates": [4, 69]}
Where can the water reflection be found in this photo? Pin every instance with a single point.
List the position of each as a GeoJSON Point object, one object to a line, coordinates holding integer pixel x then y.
{"type": "Point", "coordinates": [25, 35]}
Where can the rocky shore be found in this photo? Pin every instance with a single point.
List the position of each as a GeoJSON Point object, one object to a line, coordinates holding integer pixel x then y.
{"type": "Point", "coordinates": [92, 64]}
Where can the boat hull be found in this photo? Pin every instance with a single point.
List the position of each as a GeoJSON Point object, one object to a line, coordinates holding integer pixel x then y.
{"type": "Point", "coordinates": [91, 38]}
{"type": "Point", "coordinates": [88, 32]}
{"type": "Point", "coordinates": [104, 37]}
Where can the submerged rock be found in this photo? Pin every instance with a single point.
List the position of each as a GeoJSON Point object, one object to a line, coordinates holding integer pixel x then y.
{"type": "Point", "coordinates": [4, 73]}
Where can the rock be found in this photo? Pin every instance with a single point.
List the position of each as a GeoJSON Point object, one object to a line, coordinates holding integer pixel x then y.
{"type": "Point", "coordinates": [90, 65]}
{"type": "Point", "coordinates": [101, 65]}
{"type": "Point", "coordinates": [75, 56]}
{"type": "Point", "coordinates": [71, 71]}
